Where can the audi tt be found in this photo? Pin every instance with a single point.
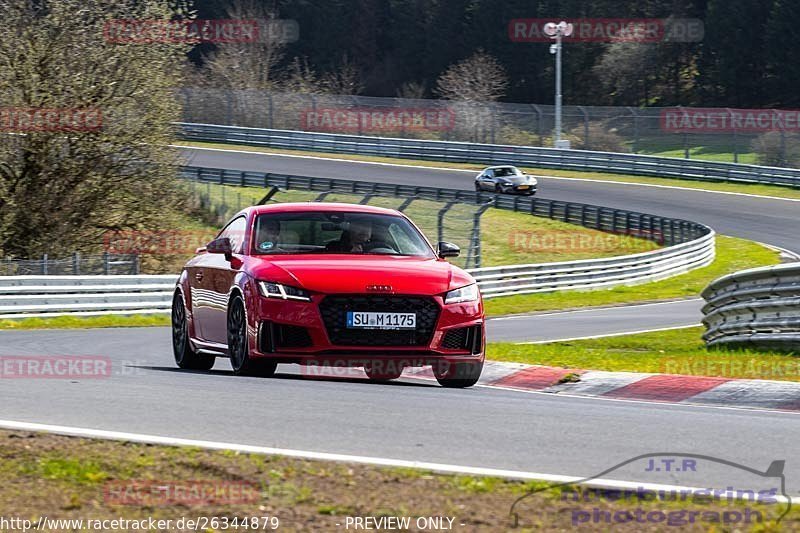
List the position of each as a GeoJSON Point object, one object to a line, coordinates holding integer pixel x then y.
{"type": "Point", "coordinates": [328, 284]}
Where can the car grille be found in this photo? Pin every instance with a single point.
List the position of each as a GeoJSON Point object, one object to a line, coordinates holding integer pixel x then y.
{"type": "Point", "coordinates": [463, 339]}
{"type": "Point", "coordinates": [334, 314]}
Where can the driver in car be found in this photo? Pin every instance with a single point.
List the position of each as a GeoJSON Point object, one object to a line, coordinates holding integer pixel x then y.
{"type": "Point", "coordinates": [354, 239]}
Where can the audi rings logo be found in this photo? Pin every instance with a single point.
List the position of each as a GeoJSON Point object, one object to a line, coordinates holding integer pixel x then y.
{"type": "Point", "coordinates": [379, 288]}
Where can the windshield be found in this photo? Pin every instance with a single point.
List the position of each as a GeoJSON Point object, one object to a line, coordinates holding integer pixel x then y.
{"type": "Point", "coordinates": [507, 171]}
{"type": "Point", "coordinates": [337, 233]}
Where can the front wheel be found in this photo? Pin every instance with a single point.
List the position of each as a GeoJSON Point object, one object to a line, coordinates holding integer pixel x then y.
{"type": "Point", "coordinates": [185, 356]}
{"type": "Point", "coordinates": [458, 375]}
{"type": "Point", "coordinates": [239, 347]}
{"type": "Point", "coordinates": [478, 187]}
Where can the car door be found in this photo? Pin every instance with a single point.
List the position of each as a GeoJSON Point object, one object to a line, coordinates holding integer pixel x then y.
{"type": "Point", "coordinates": [485, 181]}
{"type": "Point", "coordinates": [220, 274]}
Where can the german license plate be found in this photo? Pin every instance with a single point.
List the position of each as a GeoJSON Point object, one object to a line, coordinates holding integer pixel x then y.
{"type": "Point", "coordinates": [372, 320]}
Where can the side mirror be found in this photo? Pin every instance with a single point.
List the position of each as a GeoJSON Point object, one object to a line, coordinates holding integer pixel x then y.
{"type": "Point", "coordinates": [448, 249]}
{"type": "Point", "coordinates": [220, 246]}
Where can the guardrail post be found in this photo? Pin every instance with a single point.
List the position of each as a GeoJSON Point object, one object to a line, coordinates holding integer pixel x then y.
{"type": "Point", "coordinates": [137, 267]}
{"type": "Point", "coordinates": [406, 203]}
{"type": "Point", "coordinates": [440, 220]}
{"type": "Point", "coordinates": [76, 263]}
{"type": "Point", "coordinates": [106, 264]}
{"type": "Point", "coordinates": [44, 264]}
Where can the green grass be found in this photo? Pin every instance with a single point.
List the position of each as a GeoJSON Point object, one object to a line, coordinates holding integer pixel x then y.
{"type": "Point", "coordinates": [732, 255]}
{"type": "Point", "coordinates": [75, 322]}
{"type": "Point", "coordinates": [675, 351]}
{"type": "Point", "coordinates": [743, 188]}
{"type": "Point", "coordinates": [506, 237]}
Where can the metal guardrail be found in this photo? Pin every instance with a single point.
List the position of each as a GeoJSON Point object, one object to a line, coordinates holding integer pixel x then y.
{"type": "Point", "coordinates": [664, 230]}
{"type": "Point", "coordinates": [596, 273]}
{"type": "Point", "coordinates": [43, 296]}
{"type": "Point", "coordinates": [75, 265]}
{"type": "Point", "coordinates": [690, 245]}
{"type": "Point", "coordinates": [490, 154]}
{"type": "Point", "coordinates": [759, 307]}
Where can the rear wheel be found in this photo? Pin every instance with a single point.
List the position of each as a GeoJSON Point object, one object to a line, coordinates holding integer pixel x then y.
{"type": "Point", "coordinates": [458, 375]}
{"type": "Point", "coordinates": [498, 189]}
{"type": "Point", "coordinates": [185, 356]}
{"type": "Point", "coordinates": [238, 345]}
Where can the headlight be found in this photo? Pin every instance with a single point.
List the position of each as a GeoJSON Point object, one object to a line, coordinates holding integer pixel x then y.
{"type": "Point", "coordinates": [464, 294]}
{"type": "Point", "coordinates": [532, 180]}
{"type": "Point", "coordinates": [284, 292]}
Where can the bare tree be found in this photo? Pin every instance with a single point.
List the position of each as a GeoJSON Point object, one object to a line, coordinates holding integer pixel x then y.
{"type": "Point", "coordinates": [347, 80]}
{"type": "Point", "coordinates": [479, 78]}
{"type": "Point", "coordinates": [245, 65]}
{"type": "Point", "coordinates": [61, 190]}
{"type": "Point", "coordinates": [412, 89]}
{"type": "Point", "coordinates": [473, 84]}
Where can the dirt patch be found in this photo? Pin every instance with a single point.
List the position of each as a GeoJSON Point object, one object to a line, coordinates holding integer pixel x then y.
{"type": "Point", "coordinates": [72, 478]}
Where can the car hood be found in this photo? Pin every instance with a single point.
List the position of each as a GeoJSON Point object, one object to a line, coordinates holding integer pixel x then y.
{"type": "Point", "coordinates": [518, 180]}
{"type": "Point", "coordinates": [345, 274]}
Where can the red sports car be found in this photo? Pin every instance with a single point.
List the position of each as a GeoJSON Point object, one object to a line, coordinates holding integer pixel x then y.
{"type": "Point", "coordinates": [328, 284]}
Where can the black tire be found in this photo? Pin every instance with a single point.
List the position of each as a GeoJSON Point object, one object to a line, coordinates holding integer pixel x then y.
{"type": "Point", "coordinates": [498, 189]}
{"type": "Point", "coordinates": [478, 188]}
{"type": "Point", "coordinates": [238, 345]}
{"type": "Point", "coordinates": [185, 356]}
{"type": "Point", "coordinates": [380, 374]}
{"type": "Point", "coordinates": [458, 375]}
{"type": "Point", "coordinates": [530, 193]}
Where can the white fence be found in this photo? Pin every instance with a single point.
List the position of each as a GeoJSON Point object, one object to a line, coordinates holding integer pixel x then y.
{"type": "Point", "coordinates": [43, 296]}
{"type": "Point", "coordinates": [47, 296]}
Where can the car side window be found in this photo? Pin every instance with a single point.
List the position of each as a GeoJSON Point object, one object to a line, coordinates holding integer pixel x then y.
{"type": "Point", "coordinates": [235, 232]}
{"type": "Point", "coordinates": [489, 173]}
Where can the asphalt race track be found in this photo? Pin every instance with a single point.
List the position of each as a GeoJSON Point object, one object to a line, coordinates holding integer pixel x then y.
{"type": "Point", "coordinates": [410, 420]}
{"type": "Point", "coordinates": [416, 420]}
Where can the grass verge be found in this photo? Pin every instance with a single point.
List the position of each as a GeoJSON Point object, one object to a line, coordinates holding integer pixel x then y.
{"type": "Point", "coordinates": [71, 478]}
{"type": "Point", "coordinates": [742, 188]}
{"type": "Point", "coordinates": [79, 322]}
{"type": "Point", "coordinates": [732, 255]}
{"type": "Point", "coordinates": [674, 351]}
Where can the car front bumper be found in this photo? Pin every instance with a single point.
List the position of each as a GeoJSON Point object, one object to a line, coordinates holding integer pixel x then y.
{"type": "Point", "coordinates": [308, 333]}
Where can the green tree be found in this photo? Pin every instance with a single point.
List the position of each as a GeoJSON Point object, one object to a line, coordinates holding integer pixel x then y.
{"type": "Point", "coordinates": [62, 190]}
{"type": "Point", "coordinates": [732, 61]}
{"type": "Point", "coordinates": [783, 49]}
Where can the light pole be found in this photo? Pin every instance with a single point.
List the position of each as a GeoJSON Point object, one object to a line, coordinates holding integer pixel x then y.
{"type": "Point", "coordinates": [557, 32]}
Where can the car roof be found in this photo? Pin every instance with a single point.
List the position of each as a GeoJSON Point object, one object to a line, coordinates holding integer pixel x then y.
{"type": "Point", "coordinates": [499, 166]}
{"type": "Point", "coordinates": [326, 207]}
